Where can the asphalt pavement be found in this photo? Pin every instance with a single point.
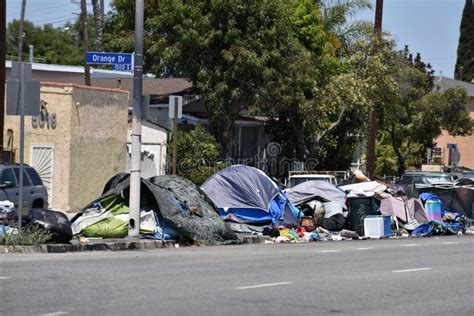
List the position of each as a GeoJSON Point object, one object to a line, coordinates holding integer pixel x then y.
{"type": "Point", "coordinates": [428, 276]}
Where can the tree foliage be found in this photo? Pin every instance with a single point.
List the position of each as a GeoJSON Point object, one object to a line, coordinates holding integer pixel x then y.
{"type": "Point", "coordinates": [51, 45]}
{"type": "Point", "coordinates": [465, 60]}
{"type": "Point", "coordinates": [414, 114]}
{"type": "Point", "coordinates": [198, 154]}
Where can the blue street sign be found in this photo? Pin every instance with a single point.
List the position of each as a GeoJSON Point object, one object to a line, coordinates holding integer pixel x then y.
{"type": "Point", "coordinates": [109, 58]}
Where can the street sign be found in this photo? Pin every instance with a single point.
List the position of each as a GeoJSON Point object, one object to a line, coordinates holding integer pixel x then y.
{"type": "Point", "coordinates": [172, 104]}
{"type": "Point", "coordinates": [32, 98]}
{"type": "Point", "coordinates": [23, 98]}
{"type": "Point", "coordinates": [119, 67]}
{"type": "Point", "coordinates": [108, 58]}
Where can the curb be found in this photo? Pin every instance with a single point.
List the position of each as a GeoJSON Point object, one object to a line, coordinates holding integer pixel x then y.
{"type": "Point", "coordinates": [99, 246]}
{"type": "Point", "coordinates": [111, 245]}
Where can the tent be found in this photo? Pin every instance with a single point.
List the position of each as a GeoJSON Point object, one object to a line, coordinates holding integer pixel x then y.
{"type": "Point", "coordinates": [201, 227]}
{"type": "Point", "coordinates": [309, 190]}
{"type": "Point", "coordinates": [248, 196]}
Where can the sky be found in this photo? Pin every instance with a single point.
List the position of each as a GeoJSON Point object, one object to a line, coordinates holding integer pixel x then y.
{"type": "Point", "coordinates": [430, 27]}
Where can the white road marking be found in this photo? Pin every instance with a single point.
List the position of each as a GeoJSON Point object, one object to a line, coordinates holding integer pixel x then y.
{"type": "Point", "coordinates": [450, 242]}
{"type": "Point", "coordinates": [410, 245]}
{"type": "Point", "coordinates": [326, 251]}
{"type": "Point", "coordinates": [261, 285]}
{"type": "Point", "coordinates": [54, 314]}
{"type": "Point", "coordinates": [366, 248]}
{"type": "Point", "coordinates": [411, 270]}
{"type": "Point", "coordinates": [4, 278]}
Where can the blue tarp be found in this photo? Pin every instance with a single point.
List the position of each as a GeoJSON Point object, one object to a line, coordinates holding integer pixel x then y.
{"type": "Point", "coordinates": [250, 195]}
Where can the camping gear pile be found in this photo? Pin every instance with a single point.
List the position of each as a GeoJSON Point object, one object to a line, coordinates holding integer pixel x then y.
{"type": "Point", "coordinates": [171, 208]}
{"type": "Point", "coordinates": [242, 199]}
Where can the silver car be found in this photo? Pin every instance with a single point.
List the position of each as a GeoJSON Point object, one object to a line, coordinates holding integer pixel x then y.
{"type": "Point", "coordinates": [35, 194]}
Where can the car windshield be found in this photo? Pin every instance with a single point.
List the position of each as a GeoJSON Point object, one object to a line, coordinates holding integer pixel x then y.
{"type": "Point", "coordinates": [438, 178]}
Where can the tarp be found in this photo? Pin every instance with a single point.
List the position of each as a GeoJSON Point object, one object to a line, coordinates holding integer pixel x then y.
{"type": "Point", "coordinates": [197, 202]}
{"type": "Point", "coordinates": [203, 229]}
{"type": "Point", "coordinates": [395, 206]}
{"type": "Point", "coordinates": [309, 190]}
{"type": "Point", "coordinates": [458, 199]}
{"type": "Point", "coordinates": [372, 186]}
{"type": "Point", "coordinates": [250, 195]}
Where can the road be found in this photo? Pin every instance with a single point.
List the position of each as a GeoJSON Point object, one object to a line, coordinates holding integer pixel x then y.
{"type": "Point", "coordinates": [430, 276]}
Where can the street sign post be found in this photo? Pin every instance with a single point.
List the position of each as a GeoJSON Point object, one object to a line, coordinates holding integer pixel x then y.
{"type": "Point", "coordinates": [23, 98]}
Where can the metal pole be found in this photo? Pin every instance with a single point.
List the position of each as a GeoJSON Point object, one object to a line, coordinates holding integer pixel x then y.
{"type": "Point", "coordinates": [3, 48]}
{"type": "Point", "coordinates": [31, 54]}
{"type": "Point", "coordinates": [372, 135]}
{"type": "Point", "coordinates": [22, 143]}
{"type": "Point", "coordinates": [85, 42]}
{"type": "Point", "coordinates": [21, 34]}
{"type": "Point", "coordinates": [175, 136]}
{"type": "Point", "coordinates": [135, 169]}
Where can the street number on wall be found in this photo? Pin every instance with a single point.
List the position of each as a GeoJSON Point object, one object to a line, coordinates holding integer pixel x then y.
{"type": "Point", "coordinates": [44, 119]}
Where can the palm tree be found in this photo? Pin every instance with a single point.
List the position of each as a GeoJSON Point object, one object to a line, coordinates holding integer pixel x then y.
{"type": "Point", "coordinates": [338, 20]}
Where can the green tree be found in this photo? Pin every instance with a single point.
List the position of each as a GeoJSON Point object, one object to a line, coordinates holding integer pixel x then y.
{"type": "Point", "coordinates": [414, 115]}
{"type": "Point", "coordinates": [198, 154]}
{"type": "Point", "coordinates": [338, 22]}
{"type": "Point", "coordinates": [236, 53]}
{"type": "Point", "coordinates": [465, 61]}
{"type": "Point", "coordinates": [51, 45]}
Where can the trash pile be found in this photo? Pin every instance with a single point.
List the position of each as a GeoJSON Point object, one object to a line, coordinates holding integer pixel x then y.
{"type": "Point", "coordinates": [244, 200]}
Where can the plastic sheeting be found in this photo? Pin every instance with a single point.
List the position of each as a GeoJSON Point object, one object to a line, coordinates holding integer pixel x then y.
{"type": "Point", "coordinates": [371, 186]}
{"type": "Point", "coordinates": [310, 190]}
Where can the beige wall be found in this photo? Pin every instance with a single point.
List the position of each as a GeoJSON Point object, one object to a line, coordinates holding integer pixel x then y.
{"type": "Point", "coordinates": [58, 100]}
{"type": "Point", "coordinates": [465, 144]}
{"type": "Point", "coordinates": [98, 142]}
{"type": "Point", "coordinates": [89, 142]}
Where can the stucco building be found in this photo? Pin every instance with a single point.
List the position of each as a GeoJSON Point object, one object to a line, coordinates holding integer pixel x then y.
{"type": "Point", "coordinates": [77, 143]}
{"type": "Point", "coordinates": [456, 151]}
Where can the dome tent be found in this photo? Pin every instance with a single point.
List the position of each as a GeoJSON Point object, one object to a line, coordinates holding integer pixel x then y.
{"type": "Point", "coordinates": [249, 196]}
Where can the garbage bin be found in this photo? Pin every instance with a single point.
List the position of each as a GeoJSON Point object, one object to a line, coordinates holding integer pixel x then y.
{"type": "Point", "coordinates": [359, 208]}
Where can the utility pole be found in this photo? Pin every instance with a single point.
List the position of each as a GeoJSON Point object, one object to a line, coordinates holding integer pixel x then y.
{"type": "Point", "coordinates": [21, 32]}
{"type": "Point", "coordinates": [372, 135]}
{"type": "Point", "coordinates": [85, 42]}
{"type": "Point", "coordinates": [135, 170]}
{"type": "Point", "coordinates": [99, 20]}
{"type": "Point", "coordinates": [3, 50]}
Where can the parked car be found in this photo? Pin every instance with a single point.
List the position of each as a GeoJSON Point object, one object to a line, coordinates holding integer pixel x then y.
{"type": "Point", "coordinates": [35, 194]}
{"type": "Point", "coordinates": [414, 177]}
{"type": "Point", "coordinates": [295, 179]}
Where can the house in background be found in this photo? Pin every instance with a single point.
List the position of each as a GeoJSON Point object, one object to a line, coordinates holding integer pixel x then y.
{"type": "Point", "coordinates": [154, 139]}
{"type": "Point", "coordinates": [455, 151]}
{"type": "Point", "coordinates": [249, 140]}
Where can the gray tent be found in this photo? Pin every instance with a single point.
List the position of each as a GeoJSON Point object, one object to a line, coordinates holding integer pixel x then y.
{"type": "Point", "coordinates": [250, 195]}
{"type": "Point", "coordinates": [201, 225]}
{"type": "Point", "coordinates": [310, 190]}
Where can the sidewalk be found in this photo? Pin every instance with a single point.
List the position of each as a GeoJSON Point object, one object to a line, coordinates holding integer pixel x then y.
{"type": "Point", "coordinates": [118, 244]}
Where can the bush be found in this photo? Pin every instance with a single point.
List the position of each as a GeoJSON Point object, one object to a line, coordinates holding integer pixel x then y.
{"type": "Point", "coordinates": [198, 154]}
{"type": "Point", "coordinates": [31, 235]}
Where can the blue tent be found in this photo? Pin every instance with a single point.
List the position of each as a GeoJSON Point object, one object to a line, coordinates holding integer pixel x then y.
{"type": "Point", "coordinates": [248, 194]}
